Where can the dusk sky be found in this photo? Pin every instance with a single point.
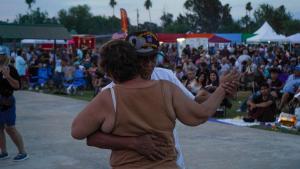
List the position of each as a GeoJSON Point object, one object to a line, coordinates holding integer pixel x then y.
{"type": "Point", "coordinates": [10, 8]}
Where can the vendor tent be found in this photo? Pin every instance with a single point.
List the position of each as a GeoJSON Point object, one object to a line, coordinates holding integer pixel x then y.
{"type": "Point", "coordinates": [266, 34]}
{"type": "Point", "coordinates": [233, 37]}
{"type": "Point", "coordinates": [169, 37]}
{"type": "Point", "coordinates": [218, 39]}
{"type": "Point", "coordinates": [267, 37]}
{"type": "Point", "coordinates": [294, 38]}
{"type": "Point", "coordinates": [199, 35]}
{"type": "Point", "coordinates": [265, 28]}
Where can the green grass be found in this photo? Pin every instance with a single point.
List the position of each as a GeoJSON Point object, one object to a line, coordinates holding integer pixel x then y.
{"type": "Point", "coordinates": [86, 95]}
{"type": "Point", "coordinates": [241, 97]}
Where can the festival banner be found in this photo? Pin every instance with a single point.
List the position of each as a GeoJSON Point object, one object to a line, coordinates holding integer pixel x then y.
{"type": "Point", "coordinates": [124, 20]}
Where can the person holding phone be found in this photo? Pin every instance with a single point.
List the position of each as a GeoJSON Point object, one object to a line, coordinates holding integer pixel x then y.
{"type": "Point", "coordinates": [9, 81]}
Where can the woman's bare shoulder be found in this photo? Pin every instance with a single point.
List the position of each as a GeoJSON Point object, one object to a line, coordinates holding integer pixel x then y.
{"type": "Point", "coordinates": [103, 99]}
{"type": "Point", "coordinates": [168, 84]}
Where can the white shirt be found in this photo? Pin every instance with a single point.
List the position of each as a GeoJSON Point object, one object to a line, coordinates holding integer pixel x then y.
{"type": "Point", "coordinates": [240, 60]}
{"type": "Point", "coordinates": [166, 74]}
{"type": "Point", "coordinates": [21, 65]}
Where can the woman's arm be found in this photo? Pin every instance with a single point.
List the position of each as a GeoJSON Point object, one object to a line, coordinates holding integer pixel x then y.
{"type": "Point", "coordinates": [91, 118]}
{"type": "Point", "coordinates": [147, 145]}
{"type": "Point", "coordinates": [191, 113]}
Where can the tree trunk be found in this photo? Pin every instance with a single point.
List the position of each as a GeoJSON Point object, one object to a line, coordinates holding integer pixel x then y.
{"type": "Point", "coordinates": [149, 14]}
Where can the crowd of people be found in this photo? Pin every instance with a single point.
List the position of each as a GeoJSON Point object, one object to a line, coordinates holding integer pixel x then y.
{"type": "Point", "coordinates": [71, 70]}
{"type": "Point", "coordinates": [269, 71]}
{"type": "Point", "coordinates": [63, 71]}
{"type": "Point", "coordinates": [189, 88]}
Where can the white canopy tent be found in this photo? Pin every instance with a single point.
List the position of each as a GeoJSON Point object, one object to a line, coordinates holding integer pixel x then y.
{"type": "Point", "coordinates": [265, 28]}
{"type": "Point", "coordinates": [294, 38]}
{"type": "Point", "coordinates": [266, 34]}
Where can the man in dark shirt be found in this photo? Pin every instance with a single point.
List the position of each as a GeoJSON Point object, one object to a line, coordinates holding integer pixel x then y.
{"type": "Point", "coordinates": [275, 84]}
{"type": "Point", "coordinates": [261, 106]}
{"type": "Point", "coordinates": [9, 81]}
{"type": "Point", "coordinates": [187, 51]}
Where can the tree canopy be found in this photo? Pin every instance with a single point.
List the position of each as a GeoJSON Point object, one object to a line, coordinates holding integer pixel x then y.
{"type": "Point", "coordinates": [209, 16]}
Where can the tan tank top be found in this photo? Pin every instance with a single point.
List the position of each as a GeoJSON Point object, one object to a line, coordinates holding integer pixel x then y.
{"type": "Point", "coordinates": [141, 111]}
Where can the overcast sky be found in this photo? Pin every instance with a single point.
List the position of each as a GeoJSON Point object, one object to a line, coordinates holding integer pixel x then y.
{"type": "Point", "coordinates": [10, 8]}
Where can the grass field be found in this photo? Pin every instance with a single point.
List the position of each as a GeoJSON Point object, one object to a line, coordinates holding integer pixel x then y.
{"type": "Point", "coordinates": [232, 112]}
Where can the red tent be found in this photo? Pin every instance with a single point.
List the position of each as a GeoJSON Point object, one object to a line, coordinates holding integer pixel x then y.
{"type": "Point", "coordinates": [218, 39]}
{"type": "Point", "coordinates": [200, 35]}
{"type": "Point", "coordinates": [169, 37]}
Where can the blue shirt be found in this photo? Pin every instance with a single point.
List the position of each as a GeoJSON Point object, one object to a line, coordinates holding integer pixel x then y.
{"type": "Point", "coordinates": [21, 66]}
{"type": "Point", "coordinates": [291, 84]}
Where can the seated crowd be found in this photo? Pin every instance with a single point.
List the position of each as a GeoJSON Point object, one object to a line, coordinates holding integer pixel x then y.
{"type": "Point", "coordinates": [270, 72]}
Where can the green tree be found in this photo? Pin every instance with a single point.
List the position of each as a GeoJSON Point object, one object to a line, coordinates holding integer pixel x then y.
{"type": "Point", "coordinates": [104, 25]}
{"type": "Point", "coordinates": [248, 8]}
{"type": "Point", "coordinates": [113, 3]}
{"type": "Point", "coordinates": [29, 3]}
{"type": "Point", "coordinates": [180, 25]}
{"type": "Point", "coordinates": [35, 17]}
{"type": "Point", "coordinates": [166, 19]}
{"type": "Point", "coordinates": [291, 27]}
{"type": "Point", "coordinates": [226, 22]}
{"type": "Point", "coordinates": [77, 18]}
{"type": "Point", "coordinates": [247, 18]}
{"type": "Point", "coordinates": [206, 15]}
{"type": "Point", "coordinates": [148, 5]}
{"type": "Point", "coordinates": [150, 26]}
{"type": "Point", "coordinates": [275, 16]}
{"type": "Point", "coordinates": [80, 19]}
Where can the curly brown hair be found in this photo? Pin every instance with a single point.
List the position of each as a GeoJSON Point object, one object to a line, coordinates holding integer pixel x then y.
{"type": "Point", "coordinates": [119, 60]}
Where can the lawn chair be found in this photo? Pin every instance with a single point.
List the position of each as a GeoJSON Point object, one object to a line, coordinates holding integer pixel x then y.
{"type": "Point", "coordinates": [78, 82]}
{"type": "Point", "coordinates": [44, 75]}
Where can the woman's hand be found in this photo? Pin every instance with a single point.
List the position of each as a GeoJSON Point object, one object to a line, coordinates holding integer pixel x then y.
{"type": "Point", "coordinates": [151, 146]}
{"type": "Point", "coordinates": [5, 71]}
{"type": "Point", "coordinates": [230, 82]}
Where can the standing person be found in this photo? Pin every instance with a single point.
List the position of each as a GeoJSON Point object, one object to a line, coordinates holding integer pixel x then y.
{"type": "Point", "coordinates": [133, 106]}
{"type": "Point", "coordinates": [147, 59]}
{"type": "Point", "coordinates": [143, 144]}
{"type": "Point", "coordinates": [21, 67]}
{"type": "Point", "coordinates": [9, 81]}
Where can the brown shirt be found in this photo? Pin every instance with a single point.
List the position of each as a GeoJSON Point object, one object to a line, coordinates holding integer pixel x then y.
{"type": "Point", "coordinates": [141, 111]}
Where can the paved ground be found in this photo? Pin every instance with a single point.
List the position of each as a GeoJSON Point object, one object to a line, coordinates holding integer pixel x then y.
{"type": "Point", "coordinates": [45, 121]}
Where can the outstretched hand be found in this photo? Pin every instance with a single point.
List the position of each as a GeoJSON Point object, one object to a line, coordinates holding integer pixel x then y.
{"type": "Point", "coordinates": [230, 82]}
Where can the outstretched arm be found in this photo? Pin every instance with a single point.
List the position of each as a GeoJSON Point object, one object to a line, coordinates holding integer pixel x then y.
{"type": "Point", "coordinates": [193, 114]}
